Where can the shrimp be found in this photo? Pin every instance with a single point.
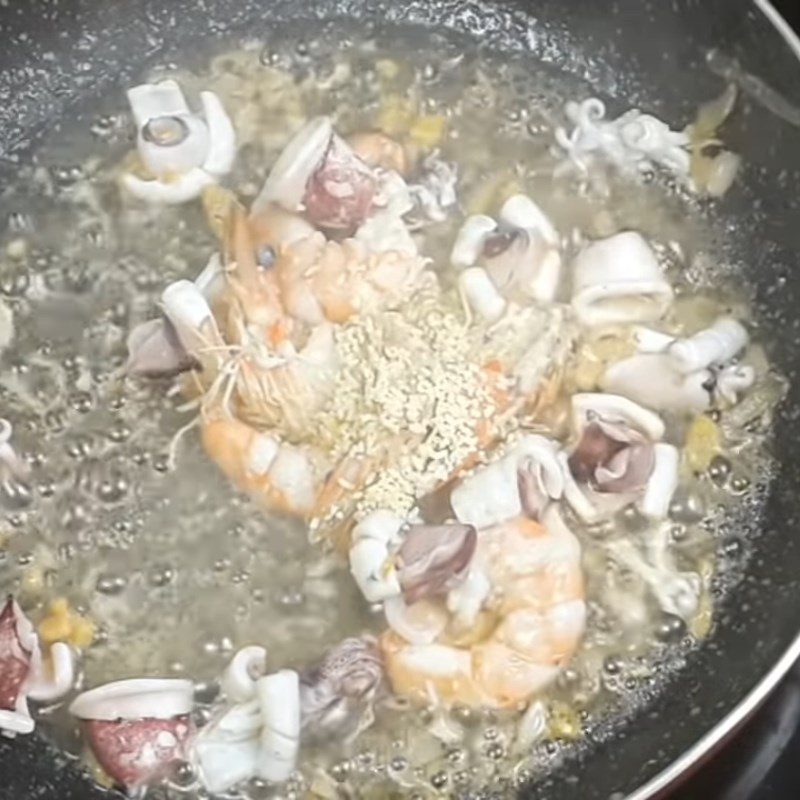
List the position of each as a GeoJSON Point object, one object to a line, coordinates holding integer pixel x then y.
{"type": "Point", "coordinates": [279, 367]}
{"type": "Point", "coordinates": [526, 628]}
{"type": "Point", "coordinates": [253, 298]}
{"type": "Point", "coordinates": [275, 231]}
{"type": "Point", "coordinates": [257, 390]}
{"type": "Point", "coordinates": [273, 226]}
{"type": "Point", "coordinates": [255, 379]}
{"type": "Point", "coordinates": [347, 279]}
{"type": "Point", "coordinates": [268, 348]}
{"type": "Point", "coordinates": [279, 476]}
{"type": "Point", "coordinates": [319, 182]}
{"type": "Point", "coordinates": [320, 279]}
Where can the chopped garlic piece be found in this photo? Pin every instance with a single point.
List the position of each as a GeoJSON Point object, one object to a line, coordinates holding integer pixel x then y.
{"type": "Point", "coordinates": [99, 775]}
{"type": "Point", "coordinates": [32, 582]}
{"type": "Point", "coordinates": [564, 722]}
{"type": "Point", "coordinates": [703, 442]}
{"type": "Point", "coordinates": [490, 194]}
{"type": "Point", "coordinates": [396, 115]}
{"type": "Point", "coordinates": [62, 624]}
{"type": "Point", "coordinates": [217, 205]}
{"type": "Point", "coordinates": [428, 130]}
{"type": "Point", "coordinates": [701, 623]}
{"type": "Point", "coordinates": [594, 357]}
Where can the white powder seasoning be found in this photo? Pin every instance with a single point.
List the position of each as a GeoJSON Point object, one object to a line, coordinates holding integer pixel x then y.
{"type": "Point", "coordinates": [411, 383]}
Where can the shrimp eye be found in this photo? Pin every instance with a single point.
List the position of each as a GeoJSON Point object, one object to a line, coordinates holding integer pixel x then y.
{"type": "Point", "coordinates": [165, 131]}
{"type": "Point", "coordinates": [265, 257]}
{"type": "Point", "coordinates": [499, 242]}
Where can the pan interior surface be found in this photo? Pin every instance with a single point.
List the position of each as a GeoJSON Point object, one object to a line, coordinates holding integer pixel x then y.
{"type": "Point", "coordinates": [59, 60]}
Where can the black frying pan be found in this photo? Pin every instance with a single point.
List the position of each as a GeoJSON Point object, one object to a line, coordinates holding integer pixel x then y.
{"type": "Point", "coordinates": [58, 55]}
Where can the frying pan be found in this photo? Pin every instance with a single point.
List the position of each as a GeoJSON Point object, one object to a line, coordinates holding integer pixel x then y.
{"type": "Point", "coordinates": [57, 55]}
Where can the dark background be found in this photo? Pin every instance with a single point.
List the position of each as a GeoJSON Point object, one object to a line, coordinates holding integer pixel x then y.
{"type": "Point", "coordinates": [790, 10]}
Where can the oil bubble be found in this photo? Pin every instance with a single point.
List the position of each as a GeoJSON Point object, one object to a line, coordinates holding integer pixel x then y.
{"type": "Point", "coordinates": [113, 488]}
{"type": "Point", "coordinates": [439, 780]}
{"type": "Point", "coordinates": [719, 470]}
{"type": "Point", "coordinates": [161, 575]}
{"type": "Point", "coordinates": [111, 584]}
{"type": "Point", "coordinates": [17, 494]}
{"type": "Point", "coordinates": [671, 628]}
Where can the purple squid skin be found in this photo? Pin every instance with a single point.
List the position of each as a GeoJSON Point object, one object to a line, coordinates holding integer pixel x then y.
{"type": "Point", "coordinates": [336, 694]}
{"type": "Point", "coordinates": [340, 193]}
{"type": "Point", "coordinates": [140, 751]}
{"type": "Point", "coordinates": [434, 558]}
{"type": "Point", "coordinates": [612, 457]}
{"type": "Point", "coordinates": [532, 498]}
{"type": "Point", "coordinates": [154, 351]}
{"type": "Point", "coordinates": [15, 661]}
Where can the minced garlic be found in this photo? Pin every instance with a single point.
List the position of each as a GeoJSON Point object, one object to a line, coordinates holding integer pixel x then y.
{"type": "Point", "coordinates": [564, 722]}
{"type": "Point", "coordinates": [387, 68]}
{"type": "Point", "coordinates": [62, 624]}
{"type": "Point", "coordinates": [595, 356]}
{"type": "Point", "coordinates": [490, 194]}
{"type": "Point", "coordinates": [701, 623]}
{"type": "Point", "coordinates": [396, 115]}
{"type": "Point", "coordinates": [428, 130]}
{"type": "Point", "coordinates": [703, 442]}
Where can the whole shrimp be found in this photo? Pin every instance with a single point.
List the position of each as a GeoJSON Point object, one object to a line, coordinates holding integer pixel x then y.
{"type": "Point", "coordinates": [322, 279]}
{"type": "Point", "coordinates": [255, 368]}
{"type": "Point", "coordinates": [528, 625]}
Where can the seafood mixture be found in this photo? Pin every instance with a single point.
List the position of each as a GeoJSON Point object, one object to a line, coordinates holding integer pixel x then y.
{"type": "Point", "coordinates": [471, 407]}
